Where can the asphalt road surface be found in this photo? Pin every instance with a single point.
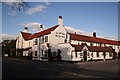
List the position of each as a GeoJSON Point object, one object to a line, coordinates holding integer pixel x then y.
{"type": "Point", "coordinates": [21, 68]}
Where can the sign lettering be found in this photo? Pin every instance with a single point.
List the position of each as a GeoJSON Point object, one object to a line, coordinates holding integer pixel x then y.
{"type": "Point", "coordinates": [60, 34]}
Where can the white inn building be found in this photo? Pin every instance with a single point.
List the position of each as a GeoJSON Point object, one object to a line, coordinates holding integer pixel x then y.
{"type": "Point", "coordinates": [56, 43]}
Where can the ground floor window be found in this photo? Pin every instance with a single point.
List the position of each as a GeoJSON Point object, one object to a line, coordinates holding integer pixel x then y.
{"type": "Point", "coordinates": [35, 53]}
{"type": "Point", "coordinates": [97, 54]}
{"type": "Point", "coordinates": [81, 54]}
{"type": "Point", "coordinates": [42, 53]}
{"type": "Point", "coordinates": [76, 54]}
{"type": "Point", "coordinates": [110, 54]}
{"type": "Point", "coordinates": [92, 54]}
{"type": "Point", "coordinates": [45, 53]}
{"type": "Point", "coordinates": [54, 54]}
{"type": "Point", "coordinates": [88, 54]}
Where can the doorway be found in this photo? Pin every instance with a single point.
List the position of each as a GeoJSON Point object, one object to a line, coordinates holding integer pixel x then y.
{"type": "Point", "coordinates": [85, 56]}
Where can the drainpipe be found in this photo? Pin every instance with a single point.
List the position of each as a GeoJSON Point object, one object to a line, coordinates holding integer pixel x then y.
{"type": "Point", "coordinates": [71, 56]}
{"type": "Point", "coordinates": [39, 48]}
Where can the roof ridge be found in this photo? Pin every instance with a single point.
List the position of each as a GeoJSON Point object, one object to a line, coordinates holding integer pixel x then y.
{"type": "Point", "coordinates": [80, 35]}
{"type": "Point", "coordinates": [26, 35]}
{"type": "Point", "coordinates": [25, 32]}
{"type": "Point", "coordinates": [92, 39]}
{"type": "Point", "coordinates": [48, 28]}
{"type": "Point", "coordinates": [47, 31]}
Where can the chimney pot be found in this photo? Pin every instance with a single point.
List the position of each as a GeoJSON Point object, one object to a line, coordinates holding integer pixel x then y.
{"type": "Point", "coordinates": [94, 34]}
{"type": "Point", "coordinates": [26, 29]}
{"type": "Point", "coordinates": [60, 17]}
{"type": "Point", "coordinates": [41, 27]}
{"type": "Point", "coordinates": [60, 21]}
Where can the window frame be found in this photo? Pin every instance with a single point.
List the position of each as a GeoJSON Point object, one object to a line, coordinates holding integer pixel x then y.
{"type": "Point", "coordinates": [35, 53]}
{"type": "Point", "coordinates": [76, 54]}
{"type": "Point", "coordinates": [42, 39]}
{"type": "Point", "coordinates": [36, 41]}
{"type": "Point", "coordinates": [92, 54]}
{"type": "Point", "coordinates": [110, 54]}
{"type": "Point", "coordinates": [46, 39]}
{"type": "Point", "coordinates": [97, 54]}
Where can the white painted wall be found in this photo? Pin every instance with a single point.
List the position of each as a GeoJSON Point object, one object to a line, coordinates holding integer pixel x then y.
{"type": "Point", "coordinates": [35, 48]}
{"type": "Point", "coordinates": [66, 49]}
{"type": "Point", "coordinates": [19, 41]}
{"type": "Point", "coordinates": [75, 42]}
{"type": "Point", "coordinates": [25, 53]}
{"type": "Point", "coordinates": [22, 43]}
{"type": "Point", "coordinates": [53, 37]}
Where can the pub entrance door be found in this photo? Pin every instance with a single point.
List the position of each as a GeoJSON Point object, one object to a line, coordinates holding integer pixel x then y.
{"type": "Point", "coordinates": [85, 56]}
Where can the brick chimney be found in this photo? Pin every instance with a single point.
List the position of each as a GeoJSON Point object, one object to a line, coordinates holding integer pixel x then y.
{"type": "Point", "coordinates": [60, 21]}
{"type": "Point", "coordinates": [25, 29]}
{"type": "Point", "coordinates": [41, 27]}
{"type": "Point", "coordinates": [94, 34]}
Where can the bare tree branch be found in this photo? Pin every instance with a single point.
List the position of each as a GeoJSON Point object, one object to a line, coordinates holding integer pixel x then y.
{"type": "Point", "coordinates": [21, 5]}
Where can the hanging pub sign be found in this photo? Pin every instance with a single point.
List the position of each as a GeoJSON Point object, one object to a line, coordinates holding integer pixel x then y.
{"type": "Point", "coordinates": [60, 34]}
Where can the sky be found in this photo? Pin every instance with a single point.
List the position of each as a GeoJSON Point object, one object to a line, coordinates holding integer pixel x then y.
{"type": "Point", "coordinates": [82, 17]}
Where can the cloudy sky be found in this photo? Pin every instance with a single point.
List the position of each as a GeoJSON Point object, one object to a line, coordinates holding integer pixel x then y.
{"type": "Point", "coordinates": [82, 17]}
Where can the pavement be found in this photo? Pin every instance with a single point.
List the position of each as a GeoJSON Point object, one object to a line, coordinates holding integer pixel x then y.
{"type": "Point", "coordinates": [21, 68]}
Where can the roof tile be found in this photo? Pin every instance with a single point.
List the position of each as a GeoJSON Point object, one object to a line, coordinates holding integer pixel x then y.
{"type": "Point", "coordinates": [47, 31]}
{"type": "Point", "coordinates": [93, 48]}
{"type": "Point", "coordinates": [92, 39]}
{"type": "Point", "coordinates": [26, 35]}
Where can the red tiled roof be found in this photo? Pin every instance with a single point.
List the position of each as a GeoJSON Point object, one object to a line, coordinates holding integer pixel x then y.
{"type": "Point", "coordinates": [47, 31]}
{"type": "Point", "coordinates": [119, 42]}
{"type": "Point", "coordinates": [26, 35]}
{"type": "Point", "coordinates": [78, 47]}
{"type": "Point", "coordinates": [101, 49]}
{"type": "Point", "coordinates": [92, 39]}
{"type": "Point", "coordinates": [93, 48]}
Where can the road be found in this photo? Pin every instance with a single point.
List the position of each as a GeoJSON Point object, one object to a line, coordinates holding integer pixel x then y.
{"type": "Point", "coordinates": [21, 68]}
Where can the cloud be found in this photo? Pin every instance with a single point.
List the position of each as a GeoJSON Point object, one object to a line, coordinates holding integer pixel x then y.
{"type": "Point", "coordinates": [34, 25]}
{"type": "Point", "coordinates": [110, 37]}
{"type": "Point", "coordinates": [47, 2]}
{"type": "Point", "coordinates": [7, 37]}
{"type": "Point", "coordinates": [11, 0]}
{"type": "Point", "coordinates": [12, 13]}
{"type": "Point", "coordinates": [38, 8]}
{"type": "Point", "coordinates": [77, 31]}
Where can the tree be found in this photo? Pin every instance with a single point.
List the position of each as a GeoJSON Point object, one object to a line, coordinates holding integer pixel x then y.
{"type": "Point", "coordinates": [9, 47]}
{"type": "Point", "coordinates": [17, 5]}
